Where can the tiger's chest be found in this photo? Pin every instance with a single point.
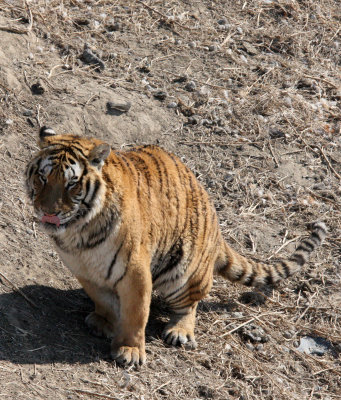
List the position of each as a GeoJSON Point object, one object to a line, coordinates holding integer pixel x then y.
{"type": "Point", "coordinates": [100, 265]}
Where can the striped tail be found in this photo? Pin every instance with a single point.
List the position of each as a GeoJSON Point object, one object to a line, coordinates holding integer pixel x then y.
{"type": "Point", "coordinates": [237, 268]}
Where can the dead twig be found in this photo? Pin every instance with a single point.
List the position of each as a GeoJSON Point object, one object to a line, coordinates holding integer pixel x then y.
{"type": "Point", "coordinates": [19, 291]}
{"type": "Point", "coordinates": [329, 164]}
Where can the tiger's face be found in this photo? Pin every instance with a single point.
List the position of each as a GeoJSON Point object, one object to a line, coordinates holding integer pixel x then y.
{"type": "Point", "coordinates": [64, 178]}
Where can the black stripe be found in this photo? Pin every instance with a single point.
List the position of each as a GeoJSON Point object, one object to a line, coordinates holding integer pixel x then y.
{"type": "Point", "coordinates": [113, 261]}
{"type": "Point", "coordinates": [315, 236]}
{"type": "Point", "coordinates": [30, 171]}
{"type": "Point", "coordinates": [97, 185]}
{"type": "Point", "coordinates": [141, 166]}
{"type": "Point", "coordinates": [99, 236]}
{"type": "Point", "coordinates": [87, 188]}
{"type": "Point", "coordinates": [286, 268]}
{"type": "Point", "coordinates": [174, 257]}
{"type": "Point", "coordinates": [306, 246]}
{"type": "Point", "coordinates": [156, 162]}
{"type": "Point", "coordinates": [250, 279]}
{"type": "Point", "coordinates": [298, 259]}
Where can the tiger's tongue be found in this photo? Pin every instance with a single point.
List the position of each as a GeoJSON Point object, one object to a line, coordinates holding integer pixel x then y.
{"type": "Point", "coordinates": [51, 219]}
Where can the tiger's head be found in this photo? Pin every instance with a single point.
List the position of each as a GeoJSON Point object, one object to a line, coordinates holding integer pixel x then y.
{"type": "Point", "coordinates": [64, 179]}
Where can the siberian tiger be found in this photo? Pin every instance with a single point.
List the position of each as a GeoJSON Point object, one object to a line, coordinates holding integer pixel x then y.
{"type": "Point", "coordinates": [127, 222]}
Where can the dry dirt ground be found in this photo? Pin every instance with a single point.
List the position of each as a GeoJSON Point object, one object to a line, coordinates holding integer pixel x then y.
{"type": "Point", "coordinates": [248, 94]}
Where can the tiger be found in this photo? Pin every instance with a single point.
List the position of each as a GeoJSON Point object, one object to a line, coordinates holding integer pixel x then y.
{"type": "Point", "coordinates": [127, 222]}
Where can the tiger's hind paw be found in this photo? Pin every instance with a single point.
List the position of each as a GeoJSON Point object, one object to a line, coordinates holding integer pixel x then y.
{"type": "Point", "coordinates": [179, 336]}
{"type": "Point", "coordinates": [99, 326]}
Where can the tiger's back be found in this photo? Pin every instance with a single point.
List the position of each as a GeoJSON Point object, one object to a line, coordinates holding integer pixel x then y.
{"type": "Point", "coordinates": [125, 222]}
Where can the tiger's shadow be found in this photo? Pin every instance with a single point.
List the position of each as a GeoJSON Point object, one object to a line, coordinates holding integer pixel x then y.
{"type": "Point", "coordinates": [54, 330]}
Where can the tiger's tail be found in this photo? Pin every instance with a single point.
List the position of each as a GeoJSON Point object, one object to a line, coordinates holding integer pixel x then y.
{"type": "Point", "coordinates": [237, 268]}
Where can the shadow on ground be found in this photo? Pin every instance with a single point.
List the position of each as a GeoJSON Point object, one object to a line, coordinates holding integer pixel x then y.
{"type": "Point", "coordinates": [54, 331]}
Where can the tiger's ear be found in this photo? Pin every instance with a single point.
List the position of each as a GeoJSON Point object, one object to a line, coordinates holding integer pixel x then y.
{"type": "Point", "coordinates": [44, 133]}
{"type": "Point", "coordinates": [99, 154]}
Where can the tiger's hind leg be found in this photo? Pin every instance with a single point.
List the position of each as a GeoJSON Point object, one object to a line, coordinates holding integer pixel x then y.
{"type": "Point", "coordinates": [102, 321]}
{"type": "Point", "coordinates": [180, 329]}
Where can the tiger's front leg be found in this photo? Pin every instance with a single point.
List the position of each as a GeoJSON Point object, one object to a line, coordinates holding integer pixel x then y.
{"type": "Point", "coordinates": [134, 294]}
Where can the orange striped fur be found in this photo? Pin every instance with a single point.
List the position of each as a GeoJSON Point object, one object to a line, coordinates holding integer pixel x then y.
{"type": "Point", "coordinates": [127, 222]}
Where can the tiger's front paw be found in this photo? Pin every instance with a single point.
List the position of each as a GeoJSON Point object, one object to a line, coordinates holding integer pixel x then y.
{"type": "Point", "coordinates": [126, 355]}
{"type": "Point", "coordinates": [99, 326]}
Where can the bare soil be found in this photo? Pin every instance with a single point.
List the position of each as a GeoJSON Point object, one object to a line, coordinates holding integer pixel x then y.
{"type": "Point", "coordinates": [248, 93]}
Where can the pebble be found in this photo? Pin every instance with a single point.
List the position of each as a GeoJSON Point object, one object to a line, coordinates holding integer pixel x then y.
{"type": "Point", "coordinates": [288, 334]}
{"type": "Point", "coordinates": [118, 106]}
{"type": "Point", "coordinates": [237, 314]}
{"type": "Point", "coordinates": [113, 26]}
{"type": "Point", "coordinates": [193, 120]}
{"type": "Point", "coordinates": [192, 45]}
{"type": "Point", "coordinates": [178, 42]}
{"type": "Point", "coordinates": [254, 333]}
{"type": "Point", "coordinates": [160, 95]}
{"type": "Point", "coordinates": [190, 86]}
{"type": "Point", "coordinates": [28, 113]}
{"type": "Point", "coordinates": [228, 348]}
{"type": "Point", "coordinates": [222, 21]}
{"type": "Point", "coordinates": [239, 29]}
{"type": "Point", "coordinates": [172, 104]}
{"type": "Point", "coordinates": [287, 101]}
{"type": "Point", "coordinates": [259, 347]}
{"type": "Point", "coordinates": [213, 47]}
{"type": "Point", "coordinates": [37, 88]}
{"type": "Point", "coordinates": [9, 122]}
{"type": "Point", "coordinates": [249, 346]}
{"type": "Point", "coordinates": [90, 58]}
{"type": "Point", "coordinates": [224, 27]}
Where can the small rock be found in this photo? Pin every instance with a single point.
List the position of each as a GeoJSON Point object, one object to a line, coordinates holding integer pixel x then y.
{"type": "Point", "coordinates": [222, 21]}
{"type": "Point", "coordinates": [228, 348]}
{"type": "Point", "coordinates": [113, 26]}
{"type": "Point", "coordinates": [259, 347]}
{"type": "Point", "coordinates": [314, 345]}
{"type": "Point", "coordinates": [237, 315]}
{"type": "Point", "coordinates": [90, 58]}
{"type": "Point", "coordinates": [160, 95]}
{"type": "Point", "coordinates": [172, 104]}
{"type": "Point", "coordinates": [193, 120]}
{"type": "Point", "coordinates": [37, 88]}
{"type": "Point", "coordinates": [288, 334]}
{"type": "Point", "coordinates": [249, 346]}
{"type": "Point", "coordinates": [28, 113]}
{"type": "Point", "coordinates": [213, 47]}
{"type": "Point", "coordinates": [9, 122]}
{"type": "Point", "coordinates": [254, 333]}
{"type": "Point", "coordinates": [276, 133]}
{"type": "Point", "coordinates": [192, 45]}
{"type": "Point", "coordinates": [239, 29]}
{"type": "Point", "coordinates": [118, 106]}
{"type": "Point", "coordinates": [190, 86]}
{"type": "Point", "coordinates": [287, 101]}
{"type": "Point", "coordinates": [178, 42]}
{"type": "Point", "coordinates": [224, 27]}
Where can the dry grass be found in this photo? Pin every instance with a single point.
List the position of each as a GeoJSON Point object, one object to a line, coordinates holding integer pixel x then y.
{"type": "Point", "coordinates": [261, 130]}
